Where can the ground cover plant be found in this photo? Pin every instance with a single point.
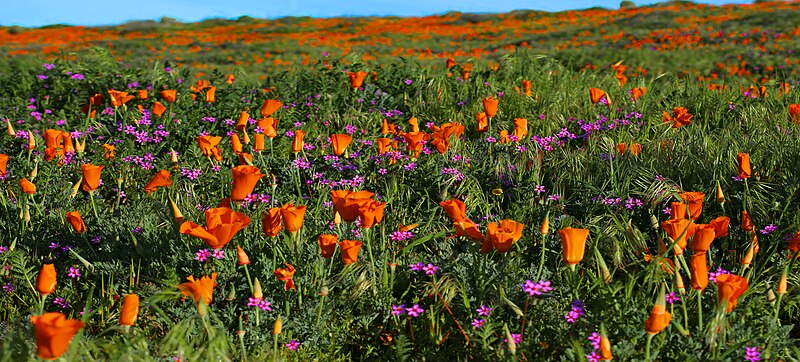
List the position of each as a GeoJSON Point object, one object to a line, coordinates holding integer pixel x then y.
{"type": "Point", "coordinates": [516, 208]}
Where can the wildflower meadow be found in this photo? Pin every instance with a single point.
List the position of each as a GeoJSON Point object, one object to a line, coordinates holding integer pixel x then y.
{"type": "Point", "coordinates": [528, 186]}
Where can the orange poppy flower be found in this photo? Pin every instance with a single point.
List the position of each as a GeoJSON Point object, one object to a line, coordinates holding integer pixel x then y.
{"type": "Point", "coordinates": [327, 245]}
{"type": "Point", "coordinates": [677, 210]}
{"type": "Point", "coordinates": [730, 287]}
{"type": "Point", "coordinates": [285, 275]}
{"type": "Point", "coordinates": [414, 142]}
{"type": "Point", "coordinates": [659, 318]}
{"type": "Point", "coordinates": [142, 93]}
{"type": "Point", "coordinates": [350, 250]}
{"type": "Point", "coordinates": [293, 217]}
{"type": "Point", "coordinates": [46, 280]}
{"type": "Point", "coordinates": [169, 95]}
{"type": "Point", "coordinates": [384, 145]}
{"type": "Point", "coordinates": [356, 79]}
{"type": "Point", "coordinates": [241, 256]}
{"type": "Point", "coordinates": [573, 244]}
{"type": "Point", "coordinates": [74, 219]}
{"type": "Point", "coordinates": [117, 98]}
{"type": "Point", "coordinates": [211, 94]}
{"type": "Point", "coordinates": [747, 223]}
{"type": "Point", "coordinates": [269, 126]}
{"type": "Point", "coordinates": [636, 93]}
{"type": "Point", "coordinates": [130, 310]}
{"type": "Point", "coordinates": [483, 122]}
{"type": "Point", "coordinates": [450, 62]}
{"type": "Point", "coordinates": [503, 137]}
{"type": "Point", "coordinates": [271, 222]}
{"type": "Point", "coordinates": [236, 144]}
{"type": "Point", "coordinates": [794, 113]}
{"type": "Point", "coordinates": [636, 149]}
{"type": "Point", "coordinates": [490, 106]}
{"type": "Point", "coordinates": [371, 213]}
{"type": "Point", "coordinates": [222, 224]}
{"type": "Point", "coordinates": [245, 178]}
{"type": "Point", "coordinates": [159, 109]}
{"type": "Point", "coordinates": [162, 178]}
{"type": "Point", "coordinates": [468, 228]}
{"type": "Point", "coordinates": [340, 143]}
{"type": "Point", "coordinates": [297, 143]}
{"type": "Point", "coordinates": [720, 225]}
{"type": "Point", "coordinates": [695, 201]}
{"type": "Point", "coordinates": [502, 236]}
{"type": "Point", "coordinates": [201, 290]}
{"type": "Point", "coordinates": [387, 128]}
{"type": "Point", "coordinates": [466, 69]}
{"type": "Point", "coordinates": [91, 177]}
{"type": "Point", "coordinates": [54, 334]}
{"type": "Point", "coordinates": [414, 123]}
{"type": "Point", "coordinates": [679, 118]}
{"type": "Point", "coordinates": [270, 106]}
{"type": "Point", "coordinates": [526, 87]}
{"type": "Point", "coordinates": [52, 138]}
{"type": "Point", "coordinates": [699, 265]}
{"type": "Point", "coordinates": [597, 94]}
{"type": "Point", "coordinates": [621, 147]}
{"type": "Point", "coordinates": [455, 209]}
{"type": "Point", "coordinates": [679, 231]}
{"type": "Point", "coordinates": [520, 128]}
{"type": "Point", "coordinates": [27, 186]}
{"type": "Point", "coordinates": [704, 234]}
{"type": "Point", "coordinates": [258, 144]}
{"type": "Point", "coordinates": [208, 145]}
{"type": "Point", "coordinates": [794, 244]}
{"type": "Point", "coordinates": [744, 164]}
{"type": "Point", "coordinates": [3, 164]}
{"type": "Point", "coordinates": [347, 203]}
{"type": "Point", "coordinates": [241, 124]}
{"type": "Point", "coordinates": [605, 348]}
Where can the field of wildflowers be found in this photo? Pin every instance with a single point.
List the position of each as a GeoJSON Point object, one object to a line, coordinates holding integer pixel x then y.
{"type": "Point", "coordinates": [503, 202]}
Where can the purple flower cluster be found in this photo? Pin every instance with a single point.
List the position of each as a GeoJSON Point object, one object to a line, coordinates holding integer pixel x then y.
{"type": "Point", "coordinates": [401, 235]}
{"type": "Point", "coordinates": [191, 174]}
{"type": "Point", "coordinates": [61, 302]}
{"type": "Point", "coordinates": [259, 303]}
{"type": "Point", "coordinates": [414, 311]}
{"type": "Point", "coordinates": [204, 254]}
{"type": "Point", "coordinates": [769, 229]}
{"type": "Point", "coordinates": [145, 162]}
{"type": "Point", "coordinates": [752, 354]}
{"type": "Point", "coordinates": [578, 310]}
{"type": "Point", "coordinates": [671, 297]}
{"type": "Point", "coordinates": [429, 269]}
{"type": "Point", "coordinates": [539, 288]}
{"type": "Point", "coordinates": [712, 276]}
{"type": "Point", "coordinates": [457, 175]}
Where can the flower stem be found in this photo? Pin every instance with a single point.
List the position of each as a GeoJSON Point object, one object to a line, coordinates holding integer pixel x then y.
{"type": "Point", "coordinates": [435, 288]}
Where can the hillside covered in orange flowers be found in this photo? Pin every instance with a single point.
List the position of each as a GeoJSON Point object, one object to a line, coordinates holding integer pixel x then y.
{"type": "Point", "coordinates": [753, 42]}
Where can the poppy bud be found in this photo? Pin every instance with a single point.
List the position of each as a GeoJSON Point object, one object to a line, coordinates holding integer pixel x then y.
{"type": "Point", "coordinates": [176, 212]}
{"type": "Point", "coordinates": [174, 156]}
{"type": "Point", "coordinates": [130, 310]}
{"type": "Point", "coordinates": [46, 280]}
{"type": "Point", "coordinates": [80, 146]}
{"type": "Point", "coordinates": [782, 284]}
{"type": "Point", "coordinates": [545, 229]}
{"type": "Point", "coordinates": [11, 131]}
{"type": "Point", "coordinates": [679, 283]}
{"type": "Point", "coordinates": [231, 293]}
{"type": "Point", "coordinates": [243, 258]}
{"type": "Point", "coordinates": [257, 292]}
{"type": "Point", "coordinates": [278, 326]}
{"type": "Point", "coordinates": [720, 195]}
{"type": "Point", "coordinates": [35, 172]}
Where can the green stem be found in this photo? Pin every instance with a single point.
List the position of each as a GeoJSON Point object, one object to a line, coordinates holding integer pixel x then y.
{"type": "Point", "coordinates": [699, 311]}
{"type": "Point", "coordinates": [541, 260]}
{"type": "Point", "coordinates": [94, 208]}
{"type": "Point", "coordinates": [647, 347]}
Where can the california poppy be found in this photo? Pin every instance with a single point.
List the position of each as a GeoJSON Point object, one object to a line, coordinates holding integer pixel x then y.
{"type": "Point", "coordinates": [208, 145]}
{"type": "Point", "coordinates": [230, 78]}
{"type": "Point", "coordinates": [695, 202]}
{"type": "Point", "coordinates": [110, 151]}
{"type": "Point", "coordinates": [269, 126]}
{"type": "Point", "coordinates": [222, 224]}
{"type": "Point", "coordinates": [245, 178]}
{"type": "Point", "coordinates": [384, 145]}
{"type": "Point", "coordinates": [414, 123]}
{"type": "Point", "coordinates": [520, 128]}
{"type": "Point", "coordinates": [449, 63]}
{"type": "Point", "coordinates": [371, 213]}
{"type": "Point", "coordinates": [356, 79]}
{"type": "Point", "coordinates": [414, 142]}
{"type": "Point", "coordinates": [27, 186]}
{"type": "Point", "coordinates": [142, 93]}
{"type": "Point", "coordinates": [502, 235]}
{"type": "Point", "coordinates": [74, 219]}
{"type": "Point", "coordinates": [236, 144]}
{"type": "Point", "coordinates": [699, 265]}
{"type": "Point", "coordinates": [159, 109]}
{"type": "Point", "coordinates": [636, 149]}
{"type": "Point", "coordinates": [162, 178]}
{"type": "Point", "coordinates": [720, 225]}
{"type": "Point", "coordinates": [659, 317]}
{"type": "Point", "coordinates": [794, 244]}
{"type": "Point", "coordinates": [455, 209]}
{"type": "Point", "coordinates": [490, 106]}
{"type": "Point", "coordinates": [744, 164]}
{"type": "Point", "coordinates": [46, 280]}
{"type": "Point", "coordinates": [347, 202]}
{"type": "Point", "coordinates": [244, 118]}
{"type": "Point", "coordinates": [729, 288]}
{"type": "Point", "coordinates": [3, 164]}
{"type": "Point", "coordinates": [573, 244]}
{"type": "Point", "coordinates": [679, 231]}
{"type": "Point", "coordinates": [91, 177]}
{"type": "Point", "coordinates": [52, 138]}
{"type": "Point", "coordinates": [680, 117]}
{"type": "Point", "coordinates": [54, 334]}
{"type": "Point", "coordinates": [201, 290]}
{"type": "Point", "coordinates": [211, 94]}
{"type": "Point", "coordinates": [794, 113]}
{"type": "Point", "coordinates": [483, 122]}
{"type": "Point", "coordinates": [597, 94]}
{"type": "Point", "coordinates": [327, 245]}
{"type": "Point", "coordinates": [297, 143]}
{"type": "Point", "coordinates": [117, 98]}
{"type": "Point", "coordinates": [526, 87]}
{"type": "Point", "coordinates": [270, 106]}
{"type": "Point", "coordinates": [350, 250]}
{"type": "Point", "coordinates": [388, 128]}
{"type": "Point", "coordinates": [130, 310]}
{"type": "Point", "coordinates": [636, 93]}
{"type": "Point", "coordinates": [293, 217]}
{"type": "Point", "coordinates": [258, 144]}
{"type": "Point", "coordinates": [169, 95]}
{"type": "Point", "coordinates": [271, 222]}
{"type": "Point", "coordinates": [747, 223]}
{"type": "Point", "coordinates": [703, 236]}
{"type": "Point", "coordinates": [503, 137]}
{"type": "Point", "coordinates": [468, 228]}
{"type": "Point", "coordinates": [340, 143]}
{"type": "Point", "coordinates": [285, 275]}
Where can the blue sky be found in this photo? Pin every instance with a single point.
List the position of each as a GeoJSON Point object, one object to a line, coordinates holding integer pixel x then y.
{"type": "Point", "coordinates": [108, 12]}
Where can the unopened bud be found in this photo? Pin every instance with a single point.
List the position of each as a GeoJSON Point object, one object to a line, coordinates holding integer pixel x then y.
{"type": "Point", "coordinates": [176, 212]}
{"type": "Point", "coordinates": [278, 326]}
{"type": "Point", "coordinates": [257, 293]}
{"type": "Point", "coordinates": [545, 228]}
{"type": "Point", "coordinates": [11, 131]}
